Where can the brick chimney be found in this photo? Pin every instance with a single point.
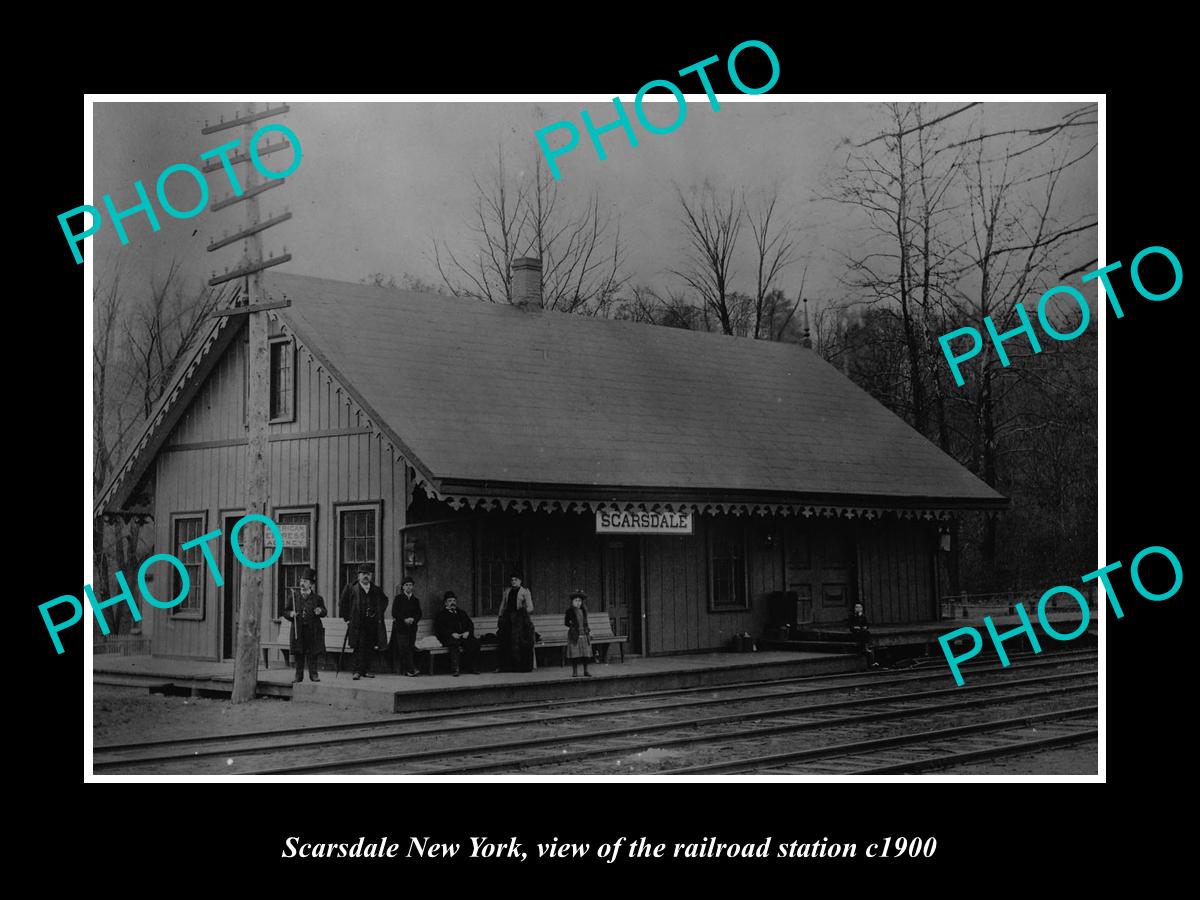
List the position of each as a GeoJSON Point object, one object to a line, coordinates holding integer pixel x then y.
{"type": "Point", "coordinates": [527, 282]}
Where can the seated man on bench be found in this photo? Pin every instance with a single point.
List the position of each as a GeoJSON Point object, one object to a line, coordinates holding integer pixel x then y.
{"type": "Point", "coordinates": [456, 632]}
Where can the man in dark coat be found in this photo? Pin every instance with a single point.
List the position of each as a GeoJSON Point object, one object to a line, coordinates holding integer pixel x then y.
{"type": "Point", "coordinates": [363, 606]}
{"type": "Point", "coordinates": [860, 633]}
{"type": "Point", "coordinates": [456, 631]}
{"type": "Point", "coordinates": [406, 613]}
{"type": "Point", "coordinates": [305, 612]}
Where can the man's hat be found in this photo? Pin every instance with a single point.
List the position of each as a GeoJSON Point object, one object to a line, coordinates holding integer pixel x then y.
{"type": "Point", "coordinates": [308, 573]}
{"type": "Point", "coordinates": [408, 579]}
{"type": "Point", "coordinates": [577, 593]}
{"type": "Point", "coordinates": [449, 595]}
{"type": "Point", "coordinates": [365, 567]}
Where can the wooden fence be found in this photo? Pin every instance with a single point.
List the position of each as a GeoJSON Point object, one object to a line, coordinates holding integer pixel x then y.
{"type": "Point", "coordinates": [965, 606]}
{"type": "Point", "coordinates": [121, 644]}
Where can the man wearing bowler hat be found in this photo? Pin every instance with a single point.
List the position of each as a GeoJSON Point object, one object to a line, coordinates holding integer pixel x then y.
{"type": "Point", "coordinates": [456, 632]}
{"type": "Point", "coordinates": [305, 610]}
{"type": "Point", "coordinates": [363, 605]}
{"type": "Point", "coordinates": [406, 613]}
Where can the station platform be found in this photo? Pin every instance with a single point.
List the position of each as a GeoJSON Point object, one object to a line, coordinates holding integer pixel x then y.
{"type": "Point", "coordinates": [396, 693]}
{"type": "Point", "coordinates": [915, 633]}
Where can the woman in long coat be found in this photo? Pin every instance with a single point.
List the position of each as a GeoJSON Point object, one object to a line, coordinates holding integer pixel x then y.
{"type": "Point", "coordinates": [515, 635]}
{"type": "Point", "coordinates": [579, 641]}
{"type": "Point", "coordinates": [305, 612]}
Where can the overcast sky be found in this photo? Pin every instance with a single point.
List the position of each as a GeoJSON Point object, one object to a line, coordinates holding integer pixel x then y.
{"type": "Point", "coordinates": [379, 181]}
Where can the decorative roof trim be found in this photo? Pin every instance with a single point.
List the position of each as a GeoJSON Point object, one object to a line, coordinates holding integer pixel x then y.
{"type": "Point", "coordinates": [127, 476]}
{"type": "Point", "coordinates": [489, 503]}
{"type": "Point", "coordinates": [159, 425]}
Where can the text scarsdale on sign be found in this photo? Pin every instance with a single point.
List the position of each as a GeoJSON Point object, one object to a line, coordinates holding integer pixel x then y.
{"type": "Point", "coordinates": [611, 522]}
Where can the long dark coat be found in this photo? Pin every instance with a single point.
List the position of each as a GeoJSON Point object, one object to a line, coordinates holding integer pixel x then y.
{"type": "Point", "coordinates": [305, 614]}
{"type": "Point", "coordinates": [446, 623]}
{"type": "Point", "coordinates": [515, 635]}
{"type": "Point", "coordinates": [354, 606]}
{"type": "Point", "coordinates": [404, 608]}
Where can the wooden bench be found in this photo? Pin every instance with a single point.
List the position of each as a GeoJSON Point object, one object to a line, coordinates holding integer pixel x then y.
{"type": "Point", "coordinates": [335, 633]}
{"type": "Point", "coordinates": [427, 641]}
{"type": "Point", "coordinates": [550, 628]}
{"type": "Point", "coordinates": [553, 632]}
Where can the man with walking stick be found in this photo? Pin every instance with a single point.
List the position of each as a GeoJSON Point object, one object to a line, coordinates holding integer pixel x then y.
{"type": "Point", "coordinates": [363, 604]}
{"type": "Point", "coordinates": [305, 611]}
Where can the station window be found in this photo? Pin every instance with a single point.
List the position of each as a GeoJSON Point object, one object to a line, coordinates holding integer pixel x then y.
{"type": "Point", "coordinates": [283, 380]}
{"type": "Point", "coordinates": [357, 542]}
{"type": "Point", "coordinates": [299, 543]}
{"type": "Point", "coordinates": [727, 565]}
{"type": "Point", "coordinates": [187, 528]}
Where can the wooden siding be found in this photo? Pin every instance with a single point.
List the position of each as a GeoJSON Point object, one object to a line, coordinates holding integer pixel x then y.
{"type": "Point", "coordinates": [678, 615]}
{"type": "Point", "coordinates": [890, 568]}
{"type": "Point", "coordinates": [896, 581]}
{"type": "Point", "coordinates": [560, 553]}
{"type": "Point", "coordinates": [326, 456]}
{"type": "Point", "coordinates": [563, 553]}
{"type": "Point", "coordinates": [448, 548]}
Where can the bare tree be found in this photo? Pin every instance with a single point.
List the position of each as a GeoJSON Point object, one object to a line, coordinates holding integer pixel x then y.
{"type": "Point", "coordinates": [106, 312]}
{"type": "Point", "coordinates": [674, 310]}
{"type": "Point", "coordinates": [406, 282]}
{"type": "Point", "coordinates": [888, 187]}
{"type": "Point", "coordinates": [779, 314]}
{"type": "Point", "coordinates": [497, 221]}
{"type": "Point", "coordinates": [1014, 251]}
{"type": "Point", "coordinates": [960, 222]}
{"type": "Point", "coordinates": [579, 244]}
{"type": "Point", "coordinates": [711, 223]}
{"type": "Point", "coordinates": [774, 249]}
{"type": "Point", "coordinates": [132, 367]}
{"type": "Point", "coordinates": [163, 328]}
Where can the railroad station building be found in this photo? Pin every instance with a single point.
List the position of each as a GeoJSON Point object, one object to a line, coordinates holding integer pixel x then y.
{"type": "Point", "coordinates": [686, 481]}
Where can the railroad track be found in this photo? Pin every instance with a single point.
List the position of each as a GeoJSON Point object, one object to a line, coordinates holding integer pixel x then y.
{"type": "Point", "coordinates": [641, 756]}
{"type": "Point", "coordinates": [112, 756]}
{"type": "Point", "coordinates": [925, 750]}
{"type": "Point", "coordinates": [498, 754]}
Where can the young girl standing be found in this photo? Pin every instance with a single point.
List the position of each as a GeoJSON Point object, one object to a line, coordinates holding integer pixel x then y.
{"type": "Point", "coordinates": [579, 642]}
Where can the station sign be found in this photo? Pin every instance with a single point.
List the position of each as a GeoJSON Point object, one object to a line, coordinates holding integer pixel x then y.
{"type": "Point", "coordinates": [640, 522]}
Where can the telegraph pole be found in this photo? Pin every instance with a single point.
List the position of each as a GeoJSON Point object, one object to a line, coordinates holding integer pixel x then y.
{"type": "Point", "coordinates": [254, 603]}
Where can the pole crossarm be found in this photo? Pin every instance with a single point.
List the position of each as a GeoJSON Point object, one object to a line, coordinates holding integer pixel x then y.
{"type": "Point", "coordinates": [243, 310]}
{"type": "Point", "coordinates": [217, 165]}
{"type": "Point", "coordinates": [250, 269]}
{"type": "Point", "coordinates": [244, 120]}
{"type": "Point", "coordinates": [246, 232]}
{"type": "Point", "coordinates": [250, 194]}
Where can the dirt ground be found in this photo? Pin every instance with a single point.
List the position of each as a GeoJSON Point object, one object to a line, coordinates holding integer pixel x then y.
{"type": "Point", "coordinates": [124, 716]}
{"type": "Point", "coordinates": [1080, 759]}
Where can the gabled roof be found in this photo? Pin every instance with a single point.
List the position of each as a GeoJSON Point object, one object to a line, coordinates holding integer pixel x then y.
{"type": "Point", "coordinates": [170, 406]}
{"type": "Point", "coordinates": [482, 395]}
